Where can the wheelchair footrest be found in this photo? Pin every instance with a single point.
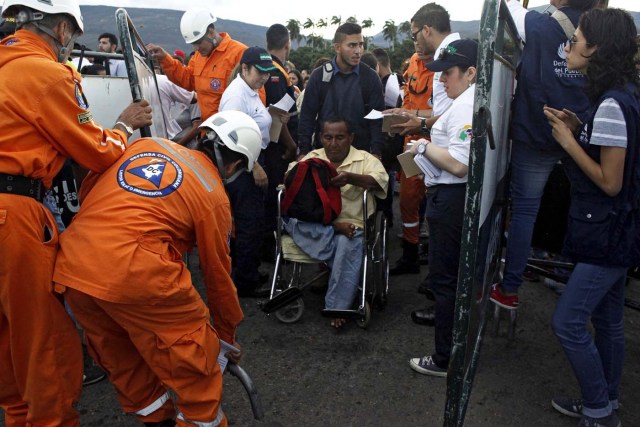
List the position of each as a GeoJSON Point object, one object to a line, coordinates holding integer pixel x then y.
{"type": "Point", "coordinates": [342, 314]}
{"type": "Point", "coordinates": [284, 298]}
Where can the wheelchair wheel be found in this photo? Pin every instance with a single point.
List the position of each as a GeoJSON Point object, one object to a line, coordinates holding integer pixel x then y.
{"type": "Point", "coordinates": [291, 313]}
{"type": "Point", "coordinates": [364, 321]}
{"type": "Point", "coordinates": [381, 262]}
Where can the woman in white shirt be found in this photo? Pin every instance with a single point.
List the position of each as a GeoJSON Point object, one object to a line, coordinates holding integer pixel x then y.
{"type": "Point", "coordinates": [246, 189]}
{"type": "Point", "coordinates": [445, 160]}
{"type": "Point", "coordinates": [242, 92]}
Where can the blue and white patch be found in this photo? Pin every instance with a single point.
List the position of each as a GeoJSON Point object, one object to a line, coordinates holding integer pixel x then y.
{"type": "Point", "coordinates": [150, 174]}
{"type": "Point", "coordinates": [215, 84]}
{"type": "Point", "coordinates": [82, 101]}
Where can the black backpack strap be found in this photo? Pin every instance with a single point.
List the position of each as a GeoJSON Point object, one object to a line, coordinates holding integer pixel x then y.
{"type": "Point", "coordinates": [325, 87]}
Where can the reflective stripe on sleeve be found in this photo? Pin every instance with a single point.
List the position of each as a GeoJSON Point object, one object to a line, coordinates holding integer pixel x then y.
{"type": "Point", "coordinates": [157, 404]}
{"type": "Point", "coordinates": [213, 423]}
{"type": "Point", "coordinates": [410, 224]}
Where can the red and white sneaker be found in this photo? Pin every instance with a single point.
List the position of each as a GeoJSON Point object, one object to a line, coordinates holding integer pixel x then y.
{"type": "Point", "coordinates": [510, 302]}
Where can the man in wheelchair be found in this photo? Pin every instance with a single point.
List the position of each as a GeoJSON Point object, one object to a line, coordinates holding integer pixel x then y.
{"type": "Point", "coordinates": [340, 244]}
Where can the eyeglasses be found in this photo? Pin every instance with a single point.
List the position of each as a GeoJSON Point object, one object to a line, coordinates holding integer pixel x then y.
{"type": "Point", "coordinates": [449, 51]}
{"type": "Point", "coordinates": [414, 36]}
{"type": "Point", "coordinates": [573, 40]}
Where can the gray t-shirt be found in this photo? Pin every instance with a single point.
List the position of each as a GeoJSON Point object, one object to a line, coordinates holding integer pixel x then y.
{"type": "Point", "coordinates": [609, 126]}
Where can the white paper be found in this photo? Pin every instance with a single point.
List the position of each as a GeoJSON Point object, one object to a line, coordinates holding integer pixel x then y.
{"type": "Point", "coordinates": [431, 171]}
{"type": "Point", "coordinates": [225, 348]}
{"type": "Point", "coordinates": [285, 103]}
{"type": "Point", "coordinates": [391, 91]}
{"type": "Point", "coordinates": [374, 115]}
{"type": "Point", "coordinates": [276, 125]}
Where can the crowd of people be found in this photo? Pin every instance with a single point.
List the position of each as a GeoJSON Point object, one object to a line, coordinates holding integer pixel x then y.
{"type": "Point", "coordinates": [116, 272]}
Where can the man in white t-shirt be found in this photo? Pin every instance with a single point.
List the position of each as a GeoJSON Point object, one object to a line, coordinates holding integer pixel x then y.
{"type": "Point", "coordinates": [175, 102]}
{"type": "Point", "coordinates": [108, 43]}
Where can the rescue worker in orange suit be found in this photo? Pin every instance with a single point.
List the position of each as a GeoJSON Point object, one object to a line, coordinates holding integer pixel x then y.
{"type": "Point", "coordinates": [209, 71]}
{"type": "Point", "coordinates": [417, 101]}
{"type": "Point", "coordinates": [44, 119]}
{"type": "Point", "coordinates": [145, 323]}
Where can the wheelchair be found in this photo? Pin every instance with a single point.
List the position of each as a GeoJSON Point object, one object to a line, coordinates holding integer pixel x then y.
{"type": "Point", "coordinates": [287, 284]}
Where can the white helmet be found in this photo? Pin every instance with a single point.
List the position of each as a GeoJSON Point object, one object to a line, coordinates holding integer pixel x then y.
{"type": "Point", "coordinates": [11, 9]}
{"type": "Point", "coordinates": [194, 24]}
{"type": "Point", "coordinates": [238, 132]}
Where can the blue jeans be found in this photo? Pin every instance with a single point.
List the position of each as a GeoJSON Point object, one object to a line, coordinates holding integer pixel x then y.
{"type": "Point", "coordinates": [597, 293]}
{"type": "Point", "coordinates": [343, 256]}
{"type": "Point", "coordinates": [530, 169]}
{"type": "Point", "coordinates": [346, 266]}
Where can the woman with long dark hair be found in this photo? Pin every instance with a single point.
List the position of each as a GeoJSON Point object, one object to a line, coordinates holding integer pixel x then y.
{"type": "Point", "coordinates": [604, 218]}
{"type": "Point", "coordinates": [543, 79]}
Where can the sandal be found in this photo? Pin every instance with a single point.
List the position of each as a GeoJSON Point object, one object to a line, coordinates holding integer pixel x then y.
{"type": "Point", "coordinates": [338, 323]}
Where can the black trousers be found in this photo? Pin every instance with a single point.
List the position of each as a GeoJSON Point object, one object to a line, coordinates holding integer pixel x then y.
{"type": "Point", "coordinates": [247, 208]}
{"type": "Point", "coordinates": [445, 212]}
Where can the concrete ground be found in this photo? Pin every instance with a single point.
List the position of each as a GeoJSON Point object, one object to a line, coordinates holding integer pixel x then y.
{"type": "Point", "coordinates": [307, 374]}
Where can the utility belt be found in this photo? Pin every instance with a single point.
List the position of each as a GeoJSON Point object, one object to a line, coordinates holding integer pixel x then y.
{"type": "Point", "coordinates": [22, 186]}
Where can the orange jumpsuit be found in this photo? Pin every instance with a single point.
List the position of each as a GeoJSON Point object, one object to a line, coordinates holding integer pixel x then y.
{"type": "Point", "coordinates": [209, 75]}
{"type": "Point", "coordinates": [121, 260]}
{"type": "Point", "coordinates": [43, 120]}
{"type": "Point", "coordinates": [417, 96]}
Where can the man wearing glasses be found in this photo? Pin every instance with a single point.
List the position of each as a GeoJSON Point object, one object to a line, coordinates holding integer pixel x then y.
{"type": "Point", "coordinates": [430, 32]}
{"type": "Point", "coordinates": [208, 71]}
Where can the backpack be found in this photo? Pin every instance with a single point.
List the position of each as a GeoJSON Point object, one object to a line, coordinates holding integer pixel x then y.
{"type": "Point", "coordinates": [309, 194]}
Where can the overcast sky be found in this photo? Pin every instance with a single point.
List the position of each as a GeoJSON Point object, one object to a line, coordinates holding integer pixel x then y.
{"type": "Point", "coordinates": [264, 12]}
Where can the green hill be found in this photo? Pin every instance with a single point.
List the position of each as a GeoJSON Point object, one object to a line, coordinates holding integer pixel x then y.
{"type": "Point", "coordinates": [162, 27]}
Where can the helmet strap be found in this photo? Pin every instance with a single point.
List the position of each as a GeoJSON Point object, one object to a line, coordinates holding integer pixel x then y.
{"type": "Point", "coordinates": [26, 16]}
{"type": "Point", "coordinates": [222, 167]}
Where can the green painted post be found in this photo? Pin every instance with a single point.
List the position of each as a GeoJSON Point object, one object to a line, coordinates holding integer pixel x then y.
{"type": "Point", "coordinates": [485, 201]}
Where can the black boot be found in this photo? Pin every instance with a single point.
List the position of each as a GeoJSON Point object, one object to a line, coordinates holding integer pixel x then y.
{"type": "Point", "coordinates": [409, 263]}
{"type": "Point", "coordinates": [164, 423]}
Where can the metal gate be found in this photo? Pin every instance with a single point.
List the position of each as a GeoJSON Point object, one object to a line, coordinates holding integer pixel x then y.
{"type": "Point", "coordinates": [485, 207]}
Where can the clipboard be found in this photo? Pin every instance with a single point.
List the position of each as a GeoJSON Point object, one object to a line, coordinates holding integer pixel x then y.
{"type": "Point", "coordinates": [409, 166]}
{"type": "Point", "coordinates": [389, 120]}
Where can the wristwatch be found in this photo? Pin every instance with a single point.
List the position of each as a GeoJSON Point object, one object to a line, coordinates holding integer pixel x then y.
{"type": "Point", "coordinates": [128, 128]}
{"type": "Point", "coordinates": [423, 126]}
{"type": "Point", "coordinates": [422, 147]}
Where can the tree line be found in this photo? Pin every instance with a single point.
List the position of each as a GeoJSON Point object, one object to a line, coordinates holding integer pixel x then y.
{"type": "Point", "coordinates": [312, 46]}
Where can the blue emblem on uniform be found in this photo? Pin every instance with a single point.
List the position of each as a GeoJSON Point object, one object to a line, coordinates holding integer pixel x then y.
{"type": "Point", "coordinates": [10, 42]}
{"type": "Point", "coordinates": [150, 174]}
{"type": "Point", "coordinates": [82, 101]}
{"type": "Point", "coordinates": [215, 84]}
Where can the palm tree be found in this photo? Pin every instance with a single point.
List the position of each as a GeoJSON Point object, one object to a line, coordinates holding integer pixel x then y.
{"type": "Point", "coordinates": [321, 23]}
{"type": "Point", "coordinates": [390, 32]}
{"type": "Point", "coordinates": [316, 41]}
{"type": "Point", "coordinates": [293, 25]}
{"type": "Point", "coordinates": [352, 20]}
{"type": "Point", "coordinates": [308, 24]}
{"type": "Point", "coordinates": [336, 20]}
{"type": "Point", "coordinates": [367, 23]}
{"type": "Point", "coordinates": [405, 28]}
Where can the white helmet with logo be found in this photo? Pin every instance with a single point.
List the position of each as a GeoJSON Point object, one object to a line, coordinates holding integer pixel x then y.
{"type": "Point", "coordinates": [238, 132]}
{"type": "Point", "coordinates": [13, 8]}
{"type": "Point", "coordinates": [194, 24]}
